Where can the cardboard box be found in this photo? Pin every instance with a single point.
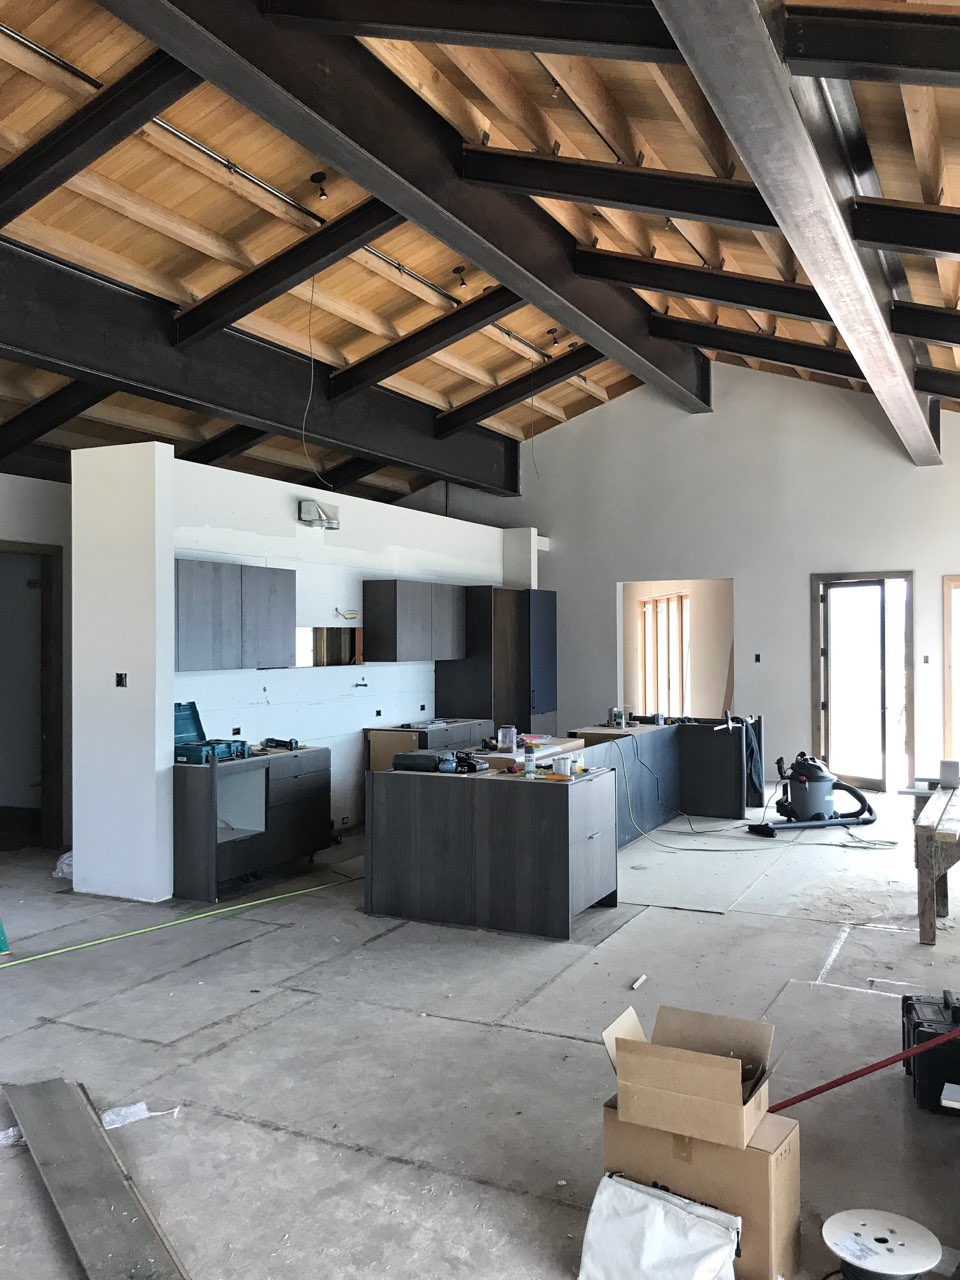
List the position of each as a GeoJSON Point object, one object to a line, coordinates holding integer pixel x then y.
{"type": "Point", "coordinates": [760, 1183]}
{"type": "Point", "coordinates": [699, 1075]}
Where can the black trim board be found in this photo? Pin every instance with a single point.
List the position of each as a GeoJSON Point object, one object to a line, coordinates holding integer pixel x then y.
{"type": "Point", "coordinates": [333, 97]}
{"type": "Point", "coordinates": [124, 338]}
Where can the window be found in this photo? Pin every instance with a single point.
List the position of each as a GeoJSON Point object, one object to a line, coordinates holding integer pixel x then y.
{"type": "Point", "coordinates": [664, 655]}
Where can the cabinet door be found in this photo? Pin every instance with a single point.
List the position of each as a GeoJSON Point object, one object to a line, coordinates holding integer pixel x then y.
{"type": "Point", "coordinates": [208, 616]}
{"type": "Point", "coordinates": [268, 617]}
{"type": "Point", "coordinates": [543, 652]}
{"type": "Point", "coordinates": [414, 621]}
{"type": "Point", "coordinates": [449, 621]}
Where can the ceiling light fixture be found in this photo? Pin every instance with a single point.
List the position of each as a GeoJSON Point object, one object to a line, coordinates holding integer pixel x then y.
{"type": "Point", "coordinates": [460, 272]}
{"type": "Point", "coordinates": [553, 334]}
{"type": "Point", "coordinates": [318, 179]}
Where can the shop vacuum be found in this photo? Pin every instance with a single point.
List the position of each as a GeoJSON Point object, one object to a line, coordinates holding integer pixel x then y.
{"type": "Point", "coordinates": [807, 799]}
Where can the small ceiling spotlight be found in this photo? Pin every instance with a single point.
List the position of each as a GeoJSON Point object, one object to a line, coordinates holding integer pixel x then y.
{"type": "Point", "coordinates": [556, 90]}
{"type": "Point", "coordinates": [460, 272]}
{"type": "Point", "coordinates": [318, 179]}
{"type": "Point", "coordinates": [553, 334]}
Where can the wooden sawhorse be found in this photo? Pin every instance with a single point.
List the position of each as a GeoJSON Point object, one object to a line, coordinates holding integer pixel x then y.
{"type": "Point", "coordinates": [936, 850]}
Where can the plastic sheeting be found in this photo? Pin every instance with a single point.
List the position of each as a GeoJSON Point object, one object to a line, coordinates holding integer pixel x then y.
{"type": "Point", "coordinates": [640, 1233]}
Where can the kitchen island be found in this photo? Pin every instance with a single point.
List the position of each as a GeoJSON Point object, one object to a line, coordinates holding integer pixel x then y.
{"type": "Point", "coordinates": [493, 850]}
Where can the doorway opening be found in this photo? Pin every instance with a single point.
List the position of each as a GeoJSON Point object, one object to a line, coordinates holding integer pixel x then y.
{"type": "Point", "coordinates": [862, 642]}
{"type": "Point", "coordinates": [31, 657]}
{"type": "Point", "coordinates": [676, 647]}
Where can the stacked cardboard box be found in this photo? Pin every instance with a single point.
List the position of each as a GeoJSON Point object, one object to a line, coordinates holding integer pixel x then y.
{"type": "Point", "coordinates": [690, 1115]}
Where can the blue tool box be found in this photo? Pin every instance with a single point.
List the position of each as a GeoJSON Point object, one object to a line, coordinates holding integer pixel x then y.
{"type": "Point", "coordinates": [191, 747]}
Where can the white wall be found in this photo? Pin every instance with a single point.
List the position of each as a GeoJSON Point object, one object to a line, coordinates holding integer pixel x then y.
{"type": "Point", "coordinates": [123, 597]}
{"type": "Point", "coordinates": [783, 479]}
{"type": "Point", "coordinates": [225, 515]}
{"type": "Point", "coordinates": [20, 664]}
{"type": "Point", "coordinates": [37, 512]}
{"type": "Point", "coordinates": [711, 641]}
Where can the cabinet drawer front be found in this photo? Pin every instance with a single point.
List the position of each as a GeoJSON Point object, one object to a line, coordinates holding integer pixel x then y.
{"type": "Point", "coordinates": [593, 806]}
{"type": "Point", "coordinates": [593, 869]}
{"type": "Point", "coordinates": [293, 764]}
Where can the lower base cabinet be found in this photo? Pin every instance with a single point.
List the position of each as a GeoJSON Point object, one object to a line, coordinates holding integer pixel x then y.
{"type": "Point", "coordinates": [246, 817]}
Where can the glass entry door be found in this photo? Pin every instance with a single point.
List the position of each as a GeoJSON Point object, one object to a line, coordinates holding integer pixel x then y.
{"type": "Point", "coordinates": [854, 681]}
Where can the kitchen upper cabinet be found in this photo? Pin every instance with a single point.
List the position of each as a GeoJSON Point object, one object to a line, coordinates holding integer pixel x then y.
{"type": "Point", "coordinates": [208, 616]}
{"type": "Point", "coordinates": [449, 626]}
{"type": "Point", "coordinates": [268, 599]}
{"type": "Point", "coordinates": [232, 616]}
{"type": "Point", "coordinates": [412, 621]}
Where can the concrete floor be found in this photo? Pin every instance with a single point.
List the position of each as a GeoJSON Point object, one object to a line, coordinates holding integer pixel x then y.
{"type": "Point", "coordinates": [362, 1097]}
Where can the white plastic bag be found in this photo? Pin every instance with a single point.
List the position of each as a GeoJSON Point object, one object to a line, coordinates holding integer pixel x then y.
{"type": "Point", "coordinates": [639, 1233]}
{"type": "Point", "coordinates": [64, 868]}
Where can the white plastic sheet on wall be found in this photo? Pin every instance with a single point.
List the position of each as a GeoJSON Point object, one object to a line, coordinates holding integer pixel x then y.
{"type": "Point", "coordinates": [640, 1233]}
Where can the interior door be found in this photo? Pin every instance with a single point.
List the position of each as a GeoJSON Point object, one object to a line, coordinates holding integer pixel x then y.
{"type": "Point", "coordinates": [853, 680]}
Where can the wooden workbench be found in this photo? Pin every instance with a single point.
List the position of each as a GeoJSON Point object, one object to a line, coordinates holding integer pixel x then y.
{"type": "Point", "coordinates": [937, 849]}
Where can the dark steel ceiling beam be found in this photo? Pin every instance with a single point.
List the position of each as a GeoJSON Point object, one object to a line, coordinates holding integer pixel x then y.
{"type": "Point", "coordinates": [427, 341]}
{"type": "Point", "coordinates": [334, 98]}
{"type": "Point", "coordinates": [740, 70]}
{"type": "Point", "coordinates": [517, 390]}
{"type": "Point", "coordinates": [728, 289]}
{"type": "Point", "coordinates": [40, 462]}
{"type": "Point", "coordinates": [873, 44]}
{"type": "Point", "coordinates": [331, 244]}
{"type": "Point", "coordinates": [618, 186]}
{"type": "Point", "coordinates": [103, 121]}
{"type": "Point", "coordinates": [631, 29]}
{"type": "Point", "coordinates": [124, 340]}
{"type": "Point", "coordinates": [228, 444]}
{"type": "Point", "coordinates": [350, 472]}
{"type": "Point", "coordinates": [759, 346]}
{"type": "Point", "coordinates": [928, 324]}
{"type": "Point", "coordinates": [939, 382]}
{"type": "Point", "coordinates": [49, 413]}
{"type": "Point", "coordinates": [928, 230]}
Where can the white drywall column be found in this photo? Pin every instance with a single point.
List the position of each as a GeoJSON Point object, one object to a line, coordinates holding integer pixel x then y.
{"type": "Point", "coordinates": [123, 621]}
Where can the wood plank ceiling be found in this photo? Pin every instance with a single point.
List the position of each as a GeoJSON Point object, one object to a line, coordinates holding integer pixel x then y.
{"type": "Point", "coordinates": [181, 208]}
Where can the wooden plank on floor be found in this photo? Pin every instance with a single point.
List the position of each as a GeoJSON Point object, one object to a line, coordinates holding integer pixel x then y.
{"type": "Point", "coordinates": [113, 1232]}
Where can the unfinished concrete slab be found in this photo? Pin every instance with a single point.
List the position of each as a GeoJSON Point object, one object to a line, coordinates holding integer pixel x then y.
{"type": "Point", "coordinates": [463, 1097]}
{"type": "Point", "coordinates": [431, 1141]}
{"type": "Point", "coordinates": [817, 881]}
{"type": "Point", "coordinates": [693, 873]}
{"type": "Point", "coordinates": [723, 964]}
{"type": "Point", "coordinates": [895, 960]}
{"type": "Point", "coordinates": [462, 973]}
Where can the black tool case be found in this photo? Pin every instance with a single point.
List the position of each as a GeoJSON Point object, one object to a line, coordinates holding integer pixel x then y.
{"type": "Point", "coordinates": [925, 1018]}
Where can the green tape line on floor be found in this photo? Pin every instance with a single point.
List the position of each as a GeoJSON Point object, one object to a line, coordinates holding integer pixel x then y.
{"type": "Point", "coordinates": [169, 924]}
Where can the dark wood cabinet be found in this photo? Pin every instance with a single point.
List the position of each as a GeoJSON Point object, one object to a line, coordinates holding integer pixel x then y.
{"type": "Point", "coordinates": [232, 616]}
{"type": "Point", "coordinates": [509, 673]}
{"type": "Point", "coordinates": [244, 817]}
{"type": "Point", "coordinates": [408, 621]}
{"type": "Point", "coordinates": [208, 616]}
{"type": "Point", "coordinates": [448, 621]}
{"type": "Point", "coordinates": [490, 850]}
{"type": "Point", "coordinates": [268, 601]}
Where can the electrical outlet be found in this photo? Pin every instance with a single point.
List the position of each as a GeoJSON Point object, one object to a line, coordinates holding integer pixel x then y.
{"type": "Point", "coordinates": [236, 732]}
{"type": "Point", "coordinates": [378, 713]}
{"type": "Point", "coordinates": [121, 679]}
{"type": "Point", "coordinates": [344, 822]}
{"type": "Point", "coordinates": [423, 706]}
{"type": "Point", "coordinates": [756, 657]}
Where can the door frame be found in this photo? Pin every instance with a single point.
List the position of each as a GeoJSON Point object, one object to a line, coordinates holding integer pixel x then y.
{"type": "Point", "coordinates": [950, 730]}
{"type": "Point", "coordinates": [817, 582]}
{"type": "Point", "coordinates": [53, 781]}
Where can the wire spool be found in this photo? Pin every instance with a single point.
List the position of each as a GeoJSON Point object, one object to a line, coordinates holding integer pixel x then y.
{"type": "Point", "coordinates": [874, 1245]}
